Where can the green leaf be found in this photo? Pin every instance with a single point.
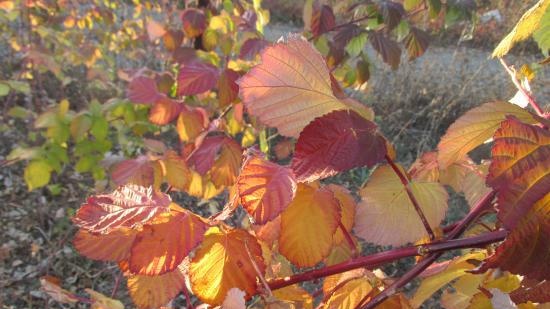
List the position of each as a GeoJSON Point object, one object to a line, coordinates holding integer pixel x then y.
{"type": "Point", "coordinates": [100, 128]}
{"type": "Point", "coordinates": [4, 90]}
{"type": "Point", "coordinates": [411, 4]}
{"type": "Point", "coordinates": [18, 111]}
{"type": "Point", "coordinates": [37, 174]}
{"type": "Point", "coordinates": [18, 86]}
{"type": "Point", "coordinates": [542, 35]}
{"type": "Point", "coordinates": [356, 44]}
{"type": "Point", "coordinates": [21, 153]}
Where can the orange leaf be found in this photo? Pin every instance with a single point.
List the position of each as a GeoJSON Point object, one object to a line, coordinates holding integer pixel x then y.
{"type": "Point", "coordinates": [177, 173]}
{"type": "Point", "coordinates": [129, 206]}
{"type": "Point", "coordinates": [474, 128]}
{"type": "Point", "coordinates": [308, 225]}
{"type": "Point", "coordinates": [265, 189]}
{"type": "Point", "coordinates": [222, 262]}
{"type": "Point", "coordinates": [520, 169]}
{"type": "Point", "coordinates": [51, 286]}
{"type": "Point", "coordinates": [101, 301]}
{"type": "Point", "coordinates": [156, 291]}
{"type": "Point", "coordinates": [347, 206]}
{"type": "Point", "coordinates": [114, 246]}
{"type": "Point", "coordinates": [386, 216]}
{"type": "Point", "coordinates": [159, 248]}
{"type": "Point", "coordinates": [164, 111]}
{"type": "Point", "coordinates": [194, 22]}
{"type": "Point", "coordinates": [227, 86]}
{"type": "Point", "coordinates": [226, 168]}
{"type": "Point", "coordinates": [191, 122]}
{"type": "Point", "coordinates": [291, 87]}
{"type": "Point", "coordinates": [350, 294]}
{"type": "Point", "coordinates": [138, 171]}
{"type": "Point", "coordinates": [154, 30]}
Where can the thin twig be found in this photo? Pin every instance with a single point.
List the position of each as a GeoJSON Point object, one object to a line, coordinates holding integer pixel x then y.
{"type": "Point", "coordinates": [257, 269]}
{"type": "Point", "coordinates": [187, 297]}
{"type": "Point", "coordinates": [512, 72]}
{"type": "Point", "coordinates": [412, 198]}
{"type": "Point", "coordinates": [348, 238]}
{"type": "Point", "coordinates": [117, 284]}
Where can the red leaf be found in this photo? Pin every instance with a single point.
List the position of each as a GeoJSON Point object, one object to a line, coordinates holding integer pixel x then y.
{"type": "Point", "coordinates": [143, 90]}
{"type": "Point", "coordinates": [265, 189]}
{"type": "Point", "coordinates": [172, 39]}
{"type": "Point", "coordinates": [532, 290]}
{"type": "Point", "coordinates": [194, 22]}
{"type": "Point", "coordinates": [323, 20]}
{"type": "Point", "coordinates": [197, 77]}
{"type": "Point", "coordinates": [387, 48]}
{"type": "Point", "coordinates": [519, 169]}
{"type": "Point", "coordinates": [417, 42]}
{"type": "Point", "coordinates": [336, 142]}
{"type": "Point", "coordinates": [184, 55]}
{"type": "Point", "coordinates": [159, 248]}
{"type": "Point", "coordinates": [114, 246]}
{"type": "Point", "coordinates": [138, 171]}
{"type": "Point", "coordinates": [129, 206]}
{"type": "Point", "coordinates": [204, 157]}
{"type": "Point", "coordinates": [252, 47]}
{"type": "Point", "coordinates": [164, 111]}
{"type": "Point", "coordinates": [392, 12]}
{"type": "Point", "coordinates": [227, 86]}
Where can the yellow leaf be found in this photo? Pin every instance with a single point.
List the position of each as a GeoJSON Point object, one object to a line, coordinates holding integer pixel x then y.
{"type": "Point", "coordinates": [308, 225]}
{"type": "Point", "coordinates": [527, 24]}
{"type": "Point", "coordinates": [347, 207]}
{"type": "Point", "coordinates": [101, 301]}
{"type": "Point", "coordinates": [177, 173]}
{"type": "Point", "coordinates": [350, 294]}
{"type": "Point", "coordinates": [156, 291]}
{"type": "Point", "coordinates": [223, 262]}
{"type": "Point", "coordinates": [295, 294]}
{"type": "Point", "coordinates": [37, 174]}
{"type": "Point", "coordinates": [386, 215]}
{"type": "Point", "coordinates": [226, 168]}
{"type": "Point", "coordinates": [463, 291]}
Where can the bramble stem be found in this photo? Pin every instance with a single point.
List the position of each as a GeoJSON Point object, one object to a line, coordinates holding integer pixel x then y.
{"type": "Point", "coordinates": [512, 73]}
{"type": "Point", "coordinates": [428, 260]}
{"type": "Point", "coordinates": [405, 182]}
{"type": "Point", "coordinates": [348, 238]}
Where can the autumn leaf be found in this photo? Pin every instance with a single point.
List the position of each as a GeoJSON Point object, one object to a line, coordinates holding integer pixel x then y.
{"type": "Point", "coordinates": [114, 246]}
{"type": "Point", "coordinates": [52, 286]}
{"type": "Point", "coordinates": [387, 48]}
{"type": "Point", "coordinates": [138, 171]}
{"type": "Point", "coordinates": [350, 294]}
{"type": "Point", "coordinates": [322, 20]}
{"type": "Point", "coordinates": [252, 47]}
{"type": "Point", "coordinates": [265, 189]}
{"type": "Point", "coordinates": [150, 292]}
{"type": "Point", "coordinates": [417, 42]}
{"type": "Point", "coordinates": [222, 262]}
{"type": "Point", "coordinates": [532, 290]}
{"type": "Point", "coordinates": [205, 156]}
{"type": "Point", "coordinates": [154, 29]}
{"type": "Point", "coordinates": [143, 90]}
{"type": "Point", "coordinates": [527, 24]}
{"type": "Point", "coordinates": [191, 123]}
{"type": "Point", "coordinates": [334, 143]}
{"type": "Point", "coordinates": [176, 172]}
{"type": "Point", "coordinates": [225, 169]}
{"type": "Point", "coordinates": [129, 206]}
{"type": "Point", "coordinates": [197, 77]}
{"type": "Point", "coordinates": [526, 250]}
{"type": "Point", "coordinates": [164, 111]}
{"type": "Point", "coordinates": [100, 301]}
{"type": "Point", "coordinates": [291, 87]}
{"type": "Point", "coordinates": [293, 295]}
{"type": "Point", "coordinates": [160, 247]}
{"type": "Point", "coordinates": [386, 216]}
{"type": "Point", "coordinates": [228, 90]}
{"type": "Point", "coordinates": [308, 225]}
{"type": "Point", "coordinates": [474, 128]}
{"type": "Point", "coordinates": [347, 206]}
{"type": "Point", "coordinates": [520, 169]}
{"type": "Point", "coordinates": [194, 22]}
{"type": "Point", "coordinates": [392, 13]}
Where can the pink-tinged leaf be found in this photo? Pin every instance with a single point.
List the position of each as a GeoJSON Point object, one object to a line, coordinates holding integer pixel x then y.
{"type": "Point", "coordinates": [228, 90]}
{"type": "Point", "coordinates": [323, 20]}
{"type": "Point", "coordinates": [532, 290]}
{"type": "Point", "coordinates": [164, 111]}
{"type": "Point", "coordinates": [154, 30]}
{"type": "Point", "coordinates": [520, 169]}
{"type": "Point", "coordinates": [197, 77]}
{"type": "Point", "coordinates": [252, 47]}
{"type": "Point", "coordinates": [114, 246]}
{"type": "Point", "coordinates": [160, 247]}
{"type": "Point", "coordinates": [334, 143]}
{"type": "Point", "coordinates": [194, 22]}
{"type": "Point", "coordinates": [138, 171]}
{"type": "Point", "coordinates": [143, 90]}
{"type": "Point", "coordinates": [184, 55]}
{"type": "Point", "coordinates": [204, 157]}
{"type": "Point", "coordinates": [291, 87]}
{"type": "Point", "coordinates": [172, 39]}
{"type": "Point", "coordinates": [265, 189]}
{"type": "Point", "coordinates": [387, 48]}
{"type": "Point", "coordinates": [129, 206]}
{"type": "Point", "coordinates": [417, 42]}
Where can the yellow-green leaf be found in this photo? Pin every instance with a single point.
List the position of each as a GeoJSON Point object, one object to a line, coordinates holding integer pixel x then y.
{"type": "Point", "coordinates": [37, 174]}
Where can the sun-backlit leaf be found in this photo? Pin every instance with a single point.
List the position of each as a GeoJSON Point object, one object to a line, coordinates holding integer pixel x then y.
{"type": "Point", "coordinates": [194, 22]}
{"type": "Point", "coordinates": [386, 216]}
{"type": "Point", "coordinates": [336, 142]}
{"type": "Point", "coordinates": [228, 90]}
{"type": "Point", "coordinates": [100, 301]}
{"type": "Point", "coordinates": [417, 42]}
{"type": "Point", "coordinates": [177, 173]}
{"type": "Point", "coordinates": [197, 77]}
{"type": "Point", "coordinates": [160, 247]}
{"type": "Point", "coordinates": [143, 90]}
{"type": "Point", "coordinates": [295, 295]}
{"type": "Point", "coordinates": [462, 291]}
{"type": "Point", "coordinates": [139, 171]}
{"type": "Point", "coordinates": [205, 156]}
{"type": "Point", "coordinates": [527, 24]}
{"type": "Point", "coordinates": [129, 206]}
{"type": "Point", "coordinates": [225, 169]}
{"type": "Point", "coordinates": [290, 88]}
{"type": "Point", "coordinates": [350, 294]}
{"type": "Point", "coordinates": [164, 111]}
{"type": "Point", "coordinates": [308, 225]}
{"type": "Point", "coordinates": [191, 122]}
{"type": "Point", "coordinates": [474, 128]}
{"type": "Point", "coordinates": [526, 250]}
{"type": "Point", "coordinates": [222, 262]}
{"type": "Point", "coordinates": [149, 292]}
{"type": "Point", "coordinates": [322, 20]}
{"type": "Point", "coordinates": [520, 169]}
{"type": "Point", "coordinates": [154, 30]}
{"type": "Point", "coordinates": [234, 299]}
{"type": "Point", "coordinates": [114, 246]}
{"type": "Point", "coordinates": [347, 207]}
{"type": "Point", "coordinates": [265, 189]}
{"type": "Point", "coordinates": [252, 47]}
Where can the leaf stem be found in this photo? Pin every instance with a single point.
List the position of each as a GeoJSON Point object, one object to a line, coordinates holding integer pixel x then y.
{"type": "Point", "coordinates": [348, 238]}
{"type": "Point", "coordinates": [512, 72]}
{"type": "Point", "coordinates": [426, 262]}
{"type": "Point", "coordinates": [412, 198]}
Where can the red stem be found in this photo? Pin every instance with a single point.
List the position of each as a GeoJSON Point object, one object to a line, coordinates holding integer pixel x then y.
{"type": "Point", "coordinates": [524, 91]}
{"type": "Point", "coordinates": [426, 262]}
{"type": "Point", "coordinates": [348, 238]}
{"type": "Point", "coordinates": [405, 182]}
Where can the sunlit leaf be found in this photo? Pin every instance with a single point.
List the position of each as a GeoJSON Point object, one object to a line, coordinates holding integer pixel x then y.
{"type": "Point", "coordinates": [177, 173]}
{"type": "Point", "coordinates": [150, 292]}
{"type": "Point", "coordinates": [308, 225]}
{"type": "Point", "coordinates": [100, 301]}
{"type": "Point", "coordinates": [139, 171]}
{"type": "Point", "coordinates": [227, 87]}
{"type": "Point", "coordinates": [474, 128]}
{"type": "Point", "coordinates": [294, 295]}
{"type": "Point", "coordinates": [225, 169]}
{"type": "Point", "coordinates": [129, 206]}
{"type": "Point", "coordinates": [114, 246]}
{"type": "Point", "coordinates": [194, 22]}
{"type": "Point", "coordinates": [265, 189]}
{"type": "Point", "coordinates": [291, 87]}
{"type": "Point", "coordinates": [143, 90]}
{"type": "Point", "coordinates": [350, 294]}
{"type": "Point", "coordinates": [222, 262]}
{"type": "Point", "coordinates": [191, 122]}
{"type": "Point", "coordinates": [164, 111]}
{"type": "Point", "coordinates": [197, 77]}
{"type": "Point", "coordinates": [334, 143]}
{"type": "Point", "coordinates": [386, 216]}
{"type": "Point", "coordinates": [37, 174]}
{"type": "Point", "coordinates": [347, 206]}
